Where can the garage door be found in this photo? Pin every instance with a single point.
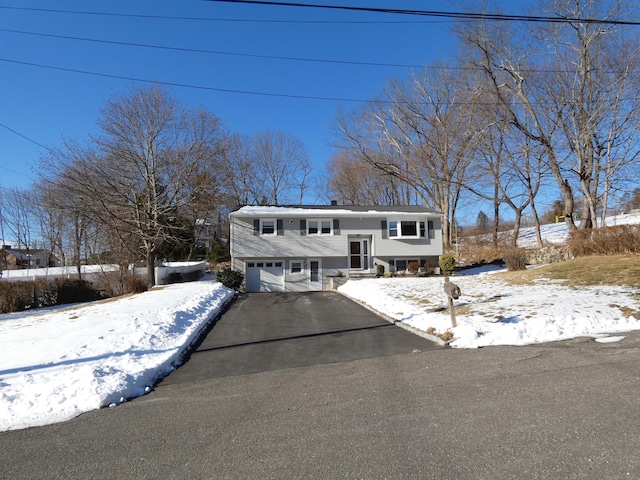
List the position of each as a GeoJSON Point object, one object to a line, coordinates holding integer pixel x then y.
{"type": "Point", "coordinates": [265, 277]}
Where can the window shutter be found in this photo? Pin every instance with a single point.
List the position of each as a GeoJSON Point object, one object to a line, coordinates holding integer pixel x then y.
{"type": "Point", "coordinates": [336, 226]}
{"type": "Point", "coordinates": [280, 225]}
{"type": "Point", "coordinates": [256, 227]}
{"type": "Point", "coordinates": [303, 228]}
{"type": "Point", "coordinates": [383, 227]}
{"type": "Point", "coordinates": [432, 232]}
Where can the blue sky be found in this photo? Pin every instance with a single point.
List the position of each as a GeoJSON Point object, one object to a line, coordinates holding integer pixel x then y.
{"type": "Point", "coordinates": [46, 104]}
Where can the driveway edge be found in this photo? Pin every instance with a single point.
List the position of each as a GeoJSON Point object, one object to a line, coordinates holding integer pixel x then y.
{"type": "Point", "coordinates": [399, 323]}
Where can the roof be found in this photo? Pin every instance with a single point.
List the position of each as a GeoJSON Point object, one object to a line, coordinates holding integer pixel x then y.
{"type": "Point", "coordinates": [333, 211]}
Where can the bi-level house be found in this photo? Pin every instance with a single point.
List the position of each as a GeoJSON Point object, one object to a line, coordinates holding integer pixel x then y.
{"type": "Point", "coordinates": [299, 248]}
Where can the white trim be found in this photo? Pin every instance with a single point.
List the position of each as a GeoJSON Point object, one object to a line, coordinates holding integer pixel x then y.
{"type": "Point", "coordinates": [319, 222]}
{"type": "Point", "coordinates": [398, 228]}
{"type": "Point", "coordinates": [275, 227]}
{"type": "Point", "coordinates": [302, 269]}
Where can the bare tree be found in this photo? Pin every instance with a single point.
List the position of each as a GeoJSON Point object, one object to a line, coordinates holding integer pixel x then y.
{"type": "Point", "coordinates": [18, 207]}
{"type": "Point", "coordinates": [567, 88]}
{"type": "Point", "coordinates": [281, 163]}
{"type": "Point", "coordinates": [420, 131]}
{"type": "Point", "coordinates": [135, 176]}
{"type": "Point", "coordinates": [354, 181]}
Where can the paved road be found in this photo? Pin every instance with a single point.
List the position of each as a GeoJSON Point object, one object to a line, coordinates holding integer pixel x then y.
{"type": "Point", "coordinates": [564, 410]}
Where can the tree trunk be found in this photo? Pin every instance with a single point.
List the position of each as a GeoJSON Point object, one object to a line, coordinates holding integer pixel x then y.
{"type": "Point", "coordinates": [151, 268]}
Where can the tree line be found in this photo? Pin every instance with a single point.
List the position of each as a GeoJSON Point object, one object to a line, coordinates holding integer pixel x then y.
{"type": "Point", "coordinates": [524, 109]}
{"type": "Point", "coordinates": [142, 187]}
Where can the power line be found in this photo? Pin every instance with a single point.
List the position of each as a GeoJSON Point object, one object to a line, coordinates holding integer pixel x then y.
{"type": "Point", "coordinates": [212, 52]}
{"type": "Point", "coordinates": [396, 11]}
{"type": "Point", "coordinates": [23, 136]}
{"type": "Point", "coordinates": [184, 85]}
{"type": "Point", "coordinates": [216, 89]}
{"type": "Point", "coordinates": [268, 57]}
{"type": "Point", "coordinates": [231, 20]}
{"type": "Point", "coordinates": [436, 13]}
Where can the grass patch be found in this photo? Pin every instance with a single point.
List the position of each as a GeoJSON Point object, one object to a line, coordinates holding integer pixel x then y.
{"type": "Point", "coordinates": [630, 312]}
{"type": "Point", "coordinates": [595, 270]}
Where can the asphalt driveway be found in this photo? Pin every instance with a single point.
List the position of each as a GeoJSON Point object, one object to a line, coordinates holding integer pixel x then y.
{"type": "Point", "coordinates": [274, 331]}
{"type": "Point", "coordinates": [563, 410]}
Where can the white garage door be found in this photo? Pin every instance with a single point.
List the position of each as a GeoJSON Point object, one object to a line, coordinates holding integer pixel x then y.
{"type": "Point", "coordinates": [265, 277]}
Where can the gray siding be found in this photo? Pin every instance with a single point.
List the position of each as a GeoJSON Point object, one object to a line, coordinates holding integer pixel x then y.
{"type": "Point", "coordinates": [292, 244]}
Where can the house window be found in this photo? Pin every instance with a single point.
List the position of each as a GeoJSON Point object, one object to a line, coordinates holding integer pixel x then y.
{"type": "Point", "coordinates": [393, 229]}
{"type": "Point", "coordinates": [296, 266]}
{"type": "Point", "coordinates": [402, 264]}
{"type": "Point", "coordinates": [319, 227]}
{"type": "Point", "coordinates": [267, 227]}
{"type": "Point", "coordinates": [406, 229]}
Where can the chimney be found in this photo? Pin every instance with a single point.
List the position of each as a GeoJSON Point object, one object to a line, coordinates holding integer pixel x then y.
{"type": "Point", "coordinates": [334, 203]}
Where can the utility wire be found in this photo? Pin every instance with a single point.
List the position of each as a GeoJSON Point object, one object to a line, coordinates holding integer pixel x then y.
{"type": "Point", "coordinates": [213, 52]}
{"type": "Point", "coordinates": [436, 13]}
{"type": "Point", "coordinates": [218, 89]}
{"type": "Point", "coordinates": [23, 136]}
{"type": "Point", "coordinates": [412, 12]}
{"type": "Point", "coordinates": [268, 57]}
{"type": "Point", "coordinates": [184, 85]}
{"type": "Point", "coordinates": [231, 20]}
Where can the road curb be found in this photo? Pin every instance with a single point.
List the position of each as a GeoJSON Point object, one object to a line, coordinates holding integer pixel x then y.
{"type": "Point", "coordinates": [399, 323]}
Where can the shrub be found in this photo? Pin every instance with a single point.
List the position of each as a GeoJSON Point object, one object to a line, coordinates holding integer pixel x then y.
{"type": "Point", "coordinates": [447, 264]}
{"type": "Point", "coordinates": [621, 239]}
{"type": "Point", "coordinates": [413, 267]}
{"type": "Point", "coordinates": [515, 258]}
{"type": "Point", "coordinates": [14, 296]}
{"type": "Point", "coordinates": [135, 283]}
{"type": "Point", "coordinates": [230, 278]}
{"type": "Point", "coordinates": [24, 295]}
{"type": "Point", "coordinates": [379, 270]}
{"type": "Point", "coordinates": [72, 290]}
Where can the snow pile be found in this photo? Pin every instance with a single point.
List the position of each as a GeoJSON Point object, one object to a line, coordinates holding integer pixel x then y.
{"type": "Point", "coordinates": [493, 312]}
{"type": "Point", "coordinates": [58, 363]}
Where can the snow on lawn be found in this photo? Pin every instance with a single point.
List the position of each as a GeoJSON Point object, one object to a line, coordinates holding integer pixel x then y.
{"type": "Point", "coordinates": [494, 312]}
{"type": "Point", "coordinates": [58, 363]}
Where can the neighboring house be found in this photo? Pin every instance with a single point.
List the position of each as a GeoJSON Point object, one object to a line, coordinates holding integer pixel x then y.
{"type": "Point", "coordinates": [298, 248]}
{"type": "Point", "coordinates": [15, 259]}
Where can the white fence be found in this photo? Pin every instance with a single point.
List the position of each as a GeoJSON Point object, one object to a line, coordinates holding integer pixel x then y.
{"type": "Point", "coordinates": [163, 274]}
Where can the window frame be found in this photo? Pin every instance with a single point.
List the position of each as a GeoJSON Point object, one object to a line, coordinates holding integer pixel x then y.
{"type": "Point", "coordinates": [319, 226]}
{"type": "Point", "coordinates": [395, 230]}
{"type": "Point", "coordinates": [275, 228]}
{"type": "Point", "coordinates": [296, 272]}
{"type": "Point", "coordinates": [407, 261]}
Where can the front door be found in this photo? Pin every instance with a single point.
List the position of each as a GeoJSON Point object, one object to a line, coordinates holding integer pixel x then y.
{"type": "Point", "coordinates": [358, 254]}
{"type": "Point", "coordinates": [315, 275]}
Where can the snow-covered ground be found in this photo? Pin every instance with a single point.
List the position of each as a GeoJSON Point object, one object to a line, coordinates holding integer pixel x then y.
{"type": "Point", "coordinates": [58, 363]}
{"type": "Point", "coordinates": [558, 234]}
{"type": "Point", "coordinates": [494, 312]}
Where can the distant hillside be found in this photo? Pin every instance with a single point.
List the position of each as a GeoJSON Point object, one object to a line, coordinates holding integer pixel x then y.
{"type": "Point", "coordinates": [557, 233]}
